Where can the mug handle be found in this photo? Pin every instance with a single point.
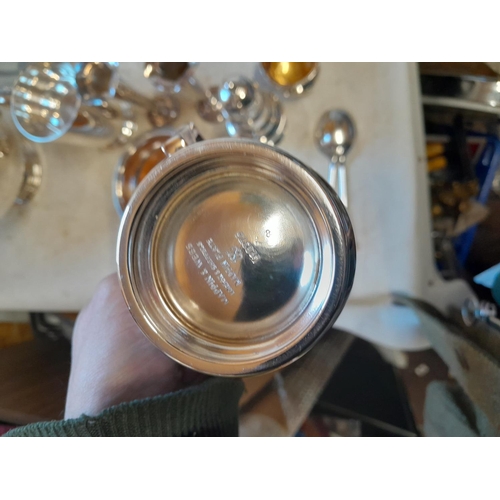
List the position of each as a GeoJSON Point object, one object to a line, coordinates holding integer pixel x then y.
{"type": "Point", "coordinates": [183, 137]}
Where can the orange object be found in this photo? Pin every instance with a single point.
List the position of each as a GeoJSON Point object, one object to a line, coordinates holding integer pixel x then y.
{"type": "Point", "coordinates": [288, 73]}
{"type": "Point", "coordinates": [14, 333]}
{"type": "Point", "coordinates": [434, 149]}
{"type": "Point", "coordinates": [437, 163]}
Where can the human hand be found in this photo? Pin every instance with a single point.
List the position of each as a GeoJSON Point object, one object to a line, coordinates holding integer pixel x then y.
{"type": "Point", "coordinates": [112, 361]}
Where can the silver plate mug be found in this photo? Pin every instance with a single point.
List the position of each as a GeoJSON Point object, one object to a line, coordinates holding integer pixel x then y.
{"type": "Point", "coordinates": [234, 257]}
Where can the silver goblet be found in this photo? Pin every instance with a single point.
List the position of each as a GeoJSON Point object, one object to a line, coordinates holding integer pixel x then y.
{"type": "Point", "coordinates": [289, 79]}
{"type": "Point", "coordinates": [46, 105]}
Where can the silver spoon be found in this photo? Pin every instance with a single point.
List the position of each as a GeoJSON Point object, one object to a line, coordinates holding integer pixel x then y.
{"type": "Point", "coordinates": [334, 136]}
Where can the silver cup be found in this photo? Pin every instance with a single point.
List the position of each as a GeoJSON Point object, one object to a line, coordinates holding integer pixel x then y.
{"type": "Point", "coordinates": [234, 257]}
{"type": "Point", "coordinates": [289, 79]}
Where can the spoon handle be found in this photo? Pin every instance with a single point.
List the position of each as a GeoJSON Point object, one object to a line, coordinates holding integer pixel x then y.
{"type": "Point", "coordinates": [342, 183]}
{"type": "Point", "coordinates": [332, 174]}
{"type": "Point", "coordinates": [337, 178]}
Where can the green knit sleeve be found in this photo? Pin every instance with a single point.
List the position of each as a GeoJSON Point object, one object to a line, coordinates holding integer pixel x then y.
{"type": "Point", "coordinates": [209, 409]}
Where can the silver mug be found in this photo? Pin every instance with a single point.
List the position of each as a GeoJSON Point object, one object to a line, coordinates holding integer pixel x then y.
{"type": "Point", "coordinates": [234, 257]}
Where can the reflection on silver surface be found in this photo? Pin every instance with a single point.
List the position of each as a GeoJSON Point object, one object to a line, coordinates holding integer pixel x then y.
{"type": "Point", "coordinates": [46, 106]}
{"type": "Point", "coordinates": [143, 156]}
{"type": "Point", "coordinates": [168, 76]}
{"type": "Point", "coordinates": [106, 125]}
{"type": "Point", "coordinates": [161, 110]}
{"type": "Point", "coordinates": [168, 79]}
{"type": "Point", "coordinates": [45, 101]}
{"type": "Point", "coordinates": [290, 79]}
{"type": "Point", "coordinates": [5, 93]}
{"type": "Point", "coordinates": [137, 161]}
{"type": "Point", "coordinates": [251, 113]}
{"type": "Point", "coordinates": [334, 136]}
{"type": "Point", "coordinates": [234, 257]}
{"type": "Point", "coordinates": [97, 80]}
{"type": "Point", "coordinates": [32, 178]}
{"type": "Point", "coordinates": [20, 170]}
{"type": "Point", "coordinates": [208, 107]}
{"type": "Point", "coordinates": [474, 311]}
{"type": "Point", "coordinates": [475, 94]}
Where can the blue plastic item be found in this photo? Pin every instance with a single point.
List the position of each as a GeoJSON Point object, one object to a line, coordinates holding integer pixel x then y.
{"type": "Point", "coordinates": [485, 168]}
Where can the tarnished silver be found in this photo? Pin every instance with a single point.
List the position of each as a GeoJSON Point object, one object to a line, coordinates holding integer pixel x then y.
{"type": "Point", "coordinates": [334, 136]}
{"type": "Point", "coordinates": [250, 112]}
{"type": "Point", "coordinates": [234, 257]}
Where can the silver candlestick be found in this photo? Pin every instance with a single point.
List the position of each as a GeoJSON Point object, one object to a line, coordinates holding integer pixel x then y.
{"type": "Point", "coordinates": [249, 112]}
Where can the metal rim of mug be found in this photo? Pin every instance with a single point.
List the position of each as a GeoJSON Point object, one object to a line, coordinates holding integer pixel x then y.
{"type": "Point", "coordinates": [330, 207]}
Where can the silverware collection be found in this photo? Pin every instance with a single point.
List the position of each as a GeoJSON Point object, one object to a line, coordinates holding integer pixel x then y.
{"type": "Point", "coordinates": [89, 103]}
{"type": "Point", "coordinates": [234, 257]}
